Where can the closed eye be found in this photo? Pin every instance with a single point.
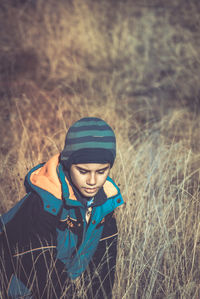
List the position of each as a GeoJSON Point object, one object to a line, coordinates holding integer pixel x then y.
{"type": "Point", "coordinates": [101, 171]}
{"type": "Point", "coordinates": [83, 171]}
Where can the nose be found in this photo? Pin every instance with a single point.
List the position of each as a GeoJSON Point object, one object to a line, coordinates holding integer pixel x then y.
{"type": "Point", "coordinates": [91, 180]}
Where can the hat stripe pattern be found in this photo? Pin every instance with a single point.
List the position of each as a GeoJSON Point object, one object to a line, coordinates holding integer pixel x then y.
{"type": "Point", "coordinates": [89, 133]}
{"type": "Point", "coordinates": [89, 128]}
{"type": "Point", "coordinates": [77, 147]}
{"type": "Point", "coordinates": [87, 121]}
{"type": "Point", "coordinates": [94, 133]}
{"type": "Point", "coordinates": [91, 139]}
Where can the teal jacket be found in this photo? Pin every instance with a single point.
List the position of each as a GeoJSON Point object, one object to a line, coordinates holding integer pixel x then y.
{"type": "Point", "coordinates": [53, 221]}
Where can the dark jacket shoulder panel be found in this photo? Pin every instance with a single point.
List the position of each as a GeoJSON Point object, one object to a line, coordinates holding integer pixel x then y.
{"type": "Point", "coordinates": [31, 223]}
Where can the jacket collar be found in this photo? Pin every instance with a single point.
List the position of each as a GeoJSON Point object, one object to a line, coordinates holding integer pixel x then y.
{"type": "Point", "coordinates": [49, 181]}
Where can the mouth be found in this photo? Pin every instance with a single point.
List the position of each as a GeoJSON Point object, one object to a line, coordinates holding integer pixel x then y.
{"type": "Point", "coordinates": [90, 190]}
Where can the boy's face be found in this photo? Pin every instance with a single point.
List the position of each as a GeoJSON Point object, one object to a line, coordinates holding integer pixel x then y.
{"type": "Point", "coordinates": [89, 178]}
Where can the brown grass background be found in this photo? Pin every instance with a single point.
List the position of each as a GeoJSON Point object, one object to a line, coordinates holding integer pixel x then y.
{"type": "Point", "coordinates": [135, 64]}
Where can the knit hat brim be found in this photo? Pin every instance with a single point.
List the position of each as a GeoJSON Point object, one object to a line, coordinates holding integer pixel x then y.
{"type": "Point", "coordinates": [88, 155]}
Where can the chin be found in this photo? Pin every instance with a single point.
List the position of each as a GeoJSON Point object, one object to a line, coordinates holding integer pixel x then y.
{"type": "Point", "coordinates": [90, 195]}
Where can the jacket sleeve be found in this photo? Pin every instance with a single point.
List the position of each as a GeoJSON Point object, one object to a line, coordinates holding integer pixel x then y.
{"type": "Point", "coordinates": [28, 244]}
{"type": "Point", "coordinates": [101, 271]}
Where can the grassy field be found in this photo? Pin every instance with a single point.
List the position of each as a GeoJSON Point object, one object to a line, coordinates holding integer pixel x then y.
{"type": "Point", "coordinates": [136, 65]}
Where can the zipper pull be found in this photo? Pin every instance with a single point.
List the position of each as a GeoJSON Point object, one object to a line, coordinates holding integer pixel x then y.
{"type": "Point", "coordinates": [88, 214]}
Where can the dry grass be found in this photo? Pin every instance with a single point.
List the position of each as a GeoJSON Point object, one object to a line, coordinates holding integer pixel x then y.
{"type": "Point", "coordinates": [136, 65]}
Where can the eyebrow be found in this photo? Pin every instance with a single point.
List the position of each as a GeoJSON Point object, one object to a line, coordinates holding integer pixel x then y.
{"type": "Point", "coordinates": [80, 168]}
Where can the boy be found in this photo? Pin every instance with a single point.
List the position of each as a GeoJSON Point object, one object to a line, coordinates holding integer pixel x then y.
{"type": "Point", "coordinates": [64, 226]}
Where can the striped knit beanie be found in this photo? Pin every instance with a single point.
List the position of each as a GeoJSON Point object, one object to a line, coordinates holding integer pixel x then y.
{"type": "Point", "coordinates": [89, 140]}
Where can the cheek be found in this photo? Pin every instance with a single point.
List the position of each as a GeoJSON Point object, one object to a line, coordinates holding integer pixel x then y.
{"type": "Point", "coordinates": [74, 178]}
{"type": "Point", "coordinates": [78, 180]}
{"type": "Point", "coordinates": [102, 180]}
